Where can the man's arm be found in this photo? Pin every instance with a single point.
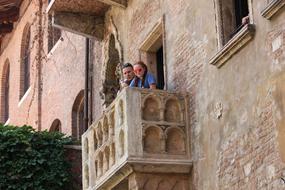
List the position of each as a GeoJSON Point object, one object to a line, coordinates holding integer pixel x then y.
{"type": "Point", "coordinates": [152, 86]}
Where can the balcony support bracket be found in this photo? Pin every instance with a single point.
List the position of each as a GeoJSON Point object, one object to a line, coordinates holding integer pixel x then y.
{"type": "Point", "coordinates": [86, 25]}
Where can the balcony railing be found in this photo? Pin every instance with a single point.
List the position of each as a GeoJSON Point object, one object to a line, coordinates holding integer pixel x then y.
{"type": "Point", "coordinates": [142, 130]}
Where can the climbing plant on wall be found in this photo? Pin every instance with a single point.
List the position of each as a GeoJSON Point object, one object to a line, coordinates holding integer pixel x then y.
{"type": "Point", "coordinates": [32, 160]}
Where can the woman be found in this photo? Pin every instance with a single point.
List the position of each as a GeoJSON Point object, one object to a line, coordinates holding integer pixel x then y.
{"type": "Point", "coordinates": [143, 78]}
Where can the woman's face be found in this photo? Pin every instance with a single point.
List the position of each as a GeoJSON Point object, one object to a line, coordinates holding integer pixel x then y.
{"type": "Point", "coordinates": [139, 71]}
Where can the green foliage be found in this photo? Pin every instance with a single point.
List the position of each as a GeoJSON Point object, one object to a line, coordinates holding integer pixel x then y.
{"type": "Point", "coordinates": [32, 160]}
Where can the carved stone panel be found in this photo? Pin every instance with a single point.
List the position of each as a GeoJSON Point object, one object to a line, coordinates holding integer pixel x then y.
{"type": "Point", "coordinates": [121, 143]}
{"type": "Point", "coordinates": [152, 139]}
{"type": "Point", "coordinates": [106, 158]}
{"type": "Point", "coordinates": [175, 141]}
{"type": "Point", "coordinates": [151, 111]}
{"type": "Point", "coordinates": [105, 129]}
{"type": "Point", "coordinates": [172, 111]}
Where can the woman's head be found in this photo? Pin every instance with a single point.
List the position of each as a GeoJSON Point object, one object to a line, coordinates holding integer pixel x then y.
{"type": "Point", "coordinates": [140, 69]}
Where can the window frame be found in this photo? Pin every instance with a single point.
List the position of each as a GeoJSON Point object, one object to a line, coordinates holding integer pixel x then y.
{"type": "Point", "coordinates": [236, 42]}
{"type": "Point", "coordinates": [25, 61]}
{"type": "Point", "coordinates": [151, 40]}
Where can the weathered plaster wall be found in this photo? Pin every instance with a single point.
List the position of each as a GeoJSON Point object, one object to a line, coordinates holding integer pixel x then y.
{"type": "Point", "coordinates": [63, 79]}
{"type": "Point", "coordinates": [240, 149]}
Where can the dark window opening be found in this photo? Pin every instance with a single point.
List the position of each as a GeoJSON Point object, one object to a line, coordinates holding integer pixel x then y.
{"type": "Point", "coordinates": [159, 68]}
{"type": "Point", "coordinates": [25, 65]}
{"type": "Point", "coordinates": [27, 61]}
{"type": "Point", "coordinates": [56, 126]}
{"type": "Point", "coordinates": [54, 34]}
{"type": "Point", "coordinates": [234, 15]}
{"type": "Point", "coordinates": [153, 54]}
{"type": "Point", "coordinates": [78, 117]}
{"type": "Point", "coordinates": [6, 95]}
{"type": "Point", "coordinates": [241, 9]}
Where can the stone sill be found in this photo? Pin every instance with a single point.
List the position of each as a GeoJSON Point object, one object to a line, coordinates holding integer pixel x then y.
{"type": "Point", "coordinates": [75, 147]}
{"type": "Point", "coordinates": [272, 8]}
{"type": "Point", "coordinates": [233, 45]}
{"type": "Point", "coordinates": [24, 97]}
{"type": "Point", "coordinates": [7, 122]}
{"type": "Point", "coordinates": [51, 52]}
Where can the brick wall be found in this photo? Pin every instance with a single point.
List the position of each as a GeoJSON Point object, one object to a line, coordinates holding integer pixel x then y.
{"type": "Point", "coordinates": [73, 156]}
{"type": "Point", "coordinates": [252, 160]}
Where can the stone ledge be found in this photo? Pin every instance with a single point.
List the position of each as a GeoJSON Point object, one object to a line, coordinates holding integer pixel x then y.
{"type": "Point", "coordinates": [272, 8]}
{"type": "Point", "coordinates": [75, 147]}
{"type": "Point", "coordinates": [131, 165]}
{"type": "Point", "coordinates": [233, 45]}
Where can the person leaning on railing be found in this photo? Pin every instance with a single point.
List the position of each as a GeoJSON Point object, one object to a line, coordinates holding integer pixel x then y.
{"type": "Point", "coordinates": [128, 74]}
{"type": "Point", "coordinates": [143, 78]}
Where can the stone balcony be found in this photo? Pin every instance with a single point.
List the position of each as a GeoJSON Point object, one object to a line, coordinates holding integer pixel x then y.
{"type": "Point", "coordinates": [84, 17]}
{"type": "Point", "coordinates": [143, 132]}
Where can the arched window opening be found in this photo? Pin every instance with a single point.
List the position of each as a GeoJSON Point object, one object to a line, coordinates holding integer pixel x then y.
{"type": "Point", "coordinates": [112, 74]}
{"type": "Point", "coordinates": [54, 34]}
{"type": "Point", "coordinates": [5, 91]}
{"type": "Point", "coordinates": [78, 116]}
{"type": "Point", "coordinates": [25, 60]}
{"type": "Point", "coordinates": [55, 126]}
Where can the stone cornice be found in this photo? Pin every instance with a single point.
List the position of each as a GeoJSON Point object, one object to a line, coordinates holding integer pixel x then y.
{"type": "Point", "coordinates": [272, 8]}
{"type": "Point", "coordinates": [233, 45]}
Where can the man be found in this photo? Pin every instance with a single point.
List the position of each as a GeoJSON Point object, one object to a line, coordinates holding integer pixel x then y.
{"type": "Point", "coordinates": [128, 74]}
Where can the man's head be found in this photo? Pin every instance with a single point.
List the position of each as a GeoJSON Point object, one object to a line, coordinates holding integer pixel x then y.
{"type": "Point", "coordinates": [128, 71]}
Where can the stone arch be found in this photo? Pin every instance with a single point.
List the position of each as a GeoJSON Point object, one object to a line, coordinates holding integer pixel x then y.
{"type": "Point", "coordinates": [86, 175]}
{"type": "Point", "coordinates": [105, 129]}
{"type": "Point", "coordinates": [25, 60]}
{"type": "Point", "coordinates": [175, 140]}
{"type": "Point", "coordinates": [106, 159]}
{"type": "Point", "coordinates": [5, 92]}
{"type": "Point", "coordinates": [100, 160]}
{"type": "Point", "coordinates": [95, 139]}
{"type": "Point", "coordinates": [111, 73]}
{"type": "Point", "coordinates": [86, 148]}
{"type": "Point", "coordinates": [151, 108]}
{"type": "Point", "coordinates": [121, 143]}
{"type": "Point", "coordinates": [153, 136]}
{"type": "Point", "coordinates": [121, 112]}
{"type": "Point", "coordinates": [172, 112]}
{"type": "Point", "coordinates": [96, 168]}
{"type": "Point", "coordinates": [78, 116]}
{"type": "Point", "coordinates": [112, 155]}
{"type": "Point", "coordinates": [55, 126]}
{"type": "Point", "coordinates": [99, 134]}
{"type": "Point", "coordinates": [111, 123]}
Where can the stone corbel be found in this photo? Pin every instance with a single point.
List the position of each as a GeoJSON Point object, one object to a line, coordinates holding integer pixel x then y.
{"type": "Point", "coordinates": [272, 8]}
{"type": "Point", "coordinates": [82, 24]}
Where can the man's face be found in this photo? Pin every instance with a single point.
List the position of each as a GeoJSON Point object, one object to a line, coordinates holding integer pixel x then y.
{"type": "Point", "coordinates": [128, 73]}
